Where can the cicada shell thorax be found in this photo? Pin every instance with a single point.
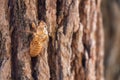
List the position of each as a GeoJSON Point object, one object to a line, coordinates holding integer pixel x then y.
{"type": "Point", "coordinates": [39, 39]}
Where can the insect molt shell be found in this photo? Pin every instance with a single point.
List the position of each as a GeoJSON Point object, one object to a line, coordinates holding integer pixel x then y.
{"type": "Point", "coordinates": [39, 40]}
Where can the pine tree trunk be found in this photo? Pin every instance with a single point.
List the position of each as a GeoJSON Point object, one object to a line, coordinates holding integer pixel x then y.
{"type": "Point", "coordinates": [75, 47]}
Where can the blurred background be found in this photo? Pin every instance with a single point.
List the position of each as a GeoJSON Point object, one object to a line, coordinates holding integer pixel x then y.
{"type": "Point", "coordinates": [111, 22]}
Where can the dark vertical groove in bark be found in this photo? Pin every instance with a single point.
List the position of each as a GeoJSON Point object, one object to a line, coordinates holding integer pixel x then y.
{"type": "Point", "coordinates": [13, 52]}
{"type": "Point", "coordinates": [14, 40]}
{"type": "Point", "coordinates": [42, 10]}
{"type": "Point", "coordinates": [59, 11]}
{"type": "Point", "coordinates": [15, 36]}
{"type": "Point", "coordinates": [33, 63]}
{"type": "Point", "coordinates": [59, 73]}
{"type": "Point", "coordinates": [51, 60]}
{"type": "Point", "coordinates": [19, 41]}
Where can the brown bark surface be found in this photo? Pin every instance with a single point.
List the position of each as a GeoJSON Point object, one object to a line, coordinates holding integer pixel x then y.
{"type": "Point", "coordinates": [5, 42]}
{"type": "Point", "coordinates": [75, 47]}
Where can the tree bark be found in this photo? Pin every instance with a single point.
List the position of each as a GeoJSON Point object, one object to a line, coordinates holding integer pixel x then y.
{"type": "Point", "coordinates": [5, 42]}
{"type": "Point", "coordinates": [75, 47]}
{"type": "Point", "coordinates": [111, 18]}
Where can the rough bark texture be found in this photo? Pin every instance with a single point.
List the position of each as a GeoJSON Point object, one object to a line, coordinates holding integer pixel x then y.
{"type": "Point", "coordinates": [5, 42]}
{"type": "Point", "coordinates": [75, 47]}
{"type": "Point", "coordinates": [111, 17]}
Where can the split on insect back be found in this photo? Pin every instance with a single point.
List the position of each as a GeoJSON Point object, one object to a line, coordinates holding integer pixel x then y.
{"type": "Point", "coordinates": [40, 37]}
